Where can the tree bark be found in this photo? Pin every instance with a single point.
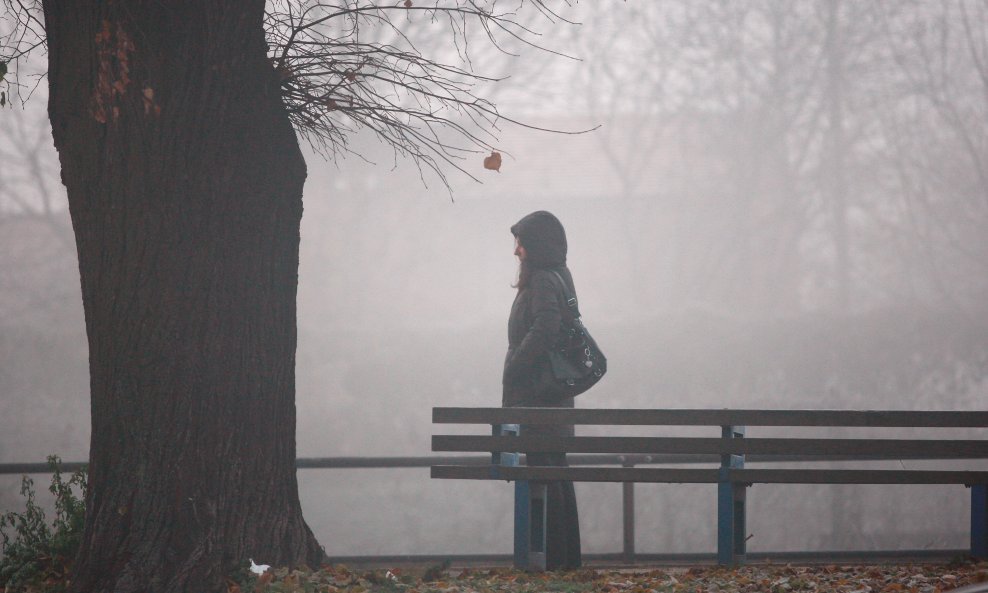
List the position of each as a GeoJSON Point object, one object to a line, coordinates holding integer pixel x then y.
{"type": "Point", "coordinates": [184, 180]}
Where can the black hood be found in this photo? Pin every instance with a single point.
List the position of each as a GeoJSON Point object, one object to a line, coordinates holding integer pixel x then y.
{"type": "Point", "coordinates": [544, 239]}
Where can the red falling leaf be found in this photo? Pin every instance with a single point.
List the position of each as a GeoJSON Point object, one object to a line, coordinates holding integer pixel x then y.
{"type": "Point", "coordinates": [493, 162]}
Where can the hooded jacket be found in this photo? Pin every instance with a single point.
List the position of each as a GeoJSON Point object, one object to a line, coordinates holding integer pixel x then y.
{"type": "Point", "coordinates": [533, 328]}
{"type": "Point", "coordinates": [536, 316]}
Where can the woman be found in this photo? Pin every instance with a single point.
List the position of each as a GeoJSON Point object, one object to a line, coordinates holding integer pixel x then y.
{"type": "Point", "coordinates": [533, 328]}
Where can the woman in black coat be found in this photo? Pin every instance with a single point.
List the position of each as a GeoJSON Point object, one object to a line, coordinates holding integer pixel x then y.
{"type": "Point", "coordinates": [533, 328]}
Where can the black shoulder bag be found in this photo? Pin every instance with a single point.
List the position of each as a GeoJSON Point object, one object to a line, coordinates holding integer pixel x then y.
{"type": "Point", "coordinates": [576, 360]}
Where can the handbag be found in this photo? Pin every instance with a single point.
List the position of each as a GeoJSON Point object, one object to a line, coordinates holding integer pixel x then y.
{"type": "Point", "coordinates": [576, 361]}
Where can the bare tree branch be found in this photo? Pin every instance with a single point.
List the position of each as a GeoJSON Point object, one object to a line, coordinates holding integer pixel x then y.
{"type": "Point", "coordinates": [347, 66]}
{"type": "Point", "coordinates": [22, 33]}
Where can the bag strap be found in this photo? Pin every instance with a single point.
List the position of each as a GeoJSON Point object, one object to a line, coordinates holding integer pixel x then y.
{"type": "Point", "coordinates": [568, 295]}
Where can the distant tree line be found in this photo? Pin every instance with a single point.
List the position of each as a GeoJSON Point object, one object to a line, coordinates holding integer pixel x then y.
{"type": "Point", "coordinates": [850, 142]}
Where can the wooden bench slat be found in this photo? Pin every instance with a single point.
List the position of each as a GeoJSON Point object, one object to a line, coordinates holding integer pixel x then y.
{"type": "Point", "coordinates": [577, 474]}
{"type": "Point", "coordinates": [893, 448]}
{"type": "Point", "coordinates": [858, 476]}
{"type": "Point", "coordinates": [699, 417]}
{"type": "Point", "coordinates": [709, 476]}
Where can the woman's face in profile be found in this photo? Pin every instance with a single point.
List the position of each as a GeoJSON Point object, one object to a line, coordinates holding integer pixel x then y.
{"type": "Point", "coordinates": [519, 250]}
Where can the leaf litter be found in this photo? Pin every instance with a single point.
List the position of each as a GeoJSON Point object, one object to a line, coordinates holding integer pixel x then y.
{"type": "Point", "coordinates": [763, 578]}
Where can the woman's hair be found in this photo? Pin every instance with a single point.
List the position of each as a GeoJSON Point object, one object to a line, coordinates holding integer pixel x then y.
{"type": "Point", "coordinates": [524, 275]}
{"type": "Point", "coordinates": [544, 240]}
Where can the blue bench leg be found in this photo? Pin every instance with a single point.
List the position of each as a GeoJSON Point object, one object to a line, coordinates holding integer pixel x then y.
{"type": "Point", "coordinates": [523, 522]}
{"type": "Point", "coordinates": [979, 521]}
{"type": "Point", "coordinates": [725, 524]}
{"type": "Point", "coordinates": [731, 496]}
{"type": "Point", "coordinates": [730, 523]}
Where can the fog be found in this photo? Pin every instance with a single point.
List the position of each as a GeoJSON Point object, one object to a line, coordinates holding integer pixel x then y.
{"type": "Point", "coordinates": [781, 205]}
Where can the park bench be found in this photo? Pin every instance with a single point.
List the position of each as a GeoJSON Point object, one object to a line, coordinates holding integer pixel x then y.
{"type": "Point", "coordinates": [730, 450]}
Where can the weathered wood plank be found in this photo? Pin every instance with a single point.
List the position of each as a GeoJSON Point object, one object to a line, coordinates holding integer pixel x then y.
{"type": "Point", "coordinates": [577, 474]}
{"type": "Point", "coordinates": [709, 476]}
{"type": "Point", "coordinates": [699, 417]}
{"type": "Point", "coordinates": [857, 476]}
{"type": "Point", "coordinates": [891, 448]}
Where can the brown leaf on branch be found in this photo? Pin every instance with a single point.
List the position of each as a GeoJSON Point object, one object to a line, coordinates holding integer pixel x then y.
{"type": "Point", "coordinates": [493, 162]}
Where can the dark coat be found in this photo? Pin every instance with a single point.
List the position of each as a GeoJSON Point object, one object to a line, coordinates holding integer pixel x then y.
{"type": "Point", "coordinates": [534, 326]}
{"type": "Point", "coordinates": [535, 323]}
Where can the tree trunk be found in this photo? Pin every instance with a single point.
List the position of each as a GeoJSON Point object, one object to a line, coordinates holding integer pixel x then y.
{"type": "Point", "coordinates": [184, 180]}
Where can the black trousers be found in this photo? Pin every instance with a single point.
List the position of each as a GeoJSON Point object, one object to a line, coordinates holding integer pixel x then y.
{"type": "Point", "coordinates": [562, 520]}
{"type": "Point", "coordinates": [562, 538]}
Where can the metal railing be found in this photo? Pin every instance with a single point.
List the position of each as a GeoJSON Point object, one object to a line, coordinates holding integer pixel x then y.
{"type": "Point", "coordinates": [627, 555]}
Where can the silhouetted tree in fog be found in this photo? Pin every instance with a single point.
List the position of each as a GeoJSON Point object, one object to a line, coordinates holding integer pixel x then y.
{"type": "Point", "coordinates": [935, 143]}
{"type": "Point", "coordinates": [175, 125]}
{"type": "Point", "coordinates": [34, 234]}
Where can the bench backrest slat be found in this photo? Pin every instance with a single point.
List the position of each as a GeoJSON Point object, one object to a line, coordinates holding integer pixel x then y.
{"type": "Point", "coordinates": [891, 448]}
{"type": "Point", "coordinates": [710, 476]}
{"type": "Point", "coordinates": [858, 476]}
{"type": "Point", "coordinates": [688, 417]}
{"type": "Point", "coordinates": [580, 474]}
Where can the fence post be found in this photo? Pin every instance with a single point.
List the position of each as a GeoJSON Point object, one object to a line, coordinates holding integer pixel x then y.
{"type": "Point", "coordinates": [628, 514]}
{"type": "Point", "coordinates": [979, 521]}
{"type": "Point", "coordinates": [730, 505]}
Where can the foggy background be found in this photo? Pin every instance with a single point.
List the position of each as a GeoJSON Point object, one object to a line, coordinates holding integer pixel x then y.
{"type": "Point", "coordinates": [784, 206]}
